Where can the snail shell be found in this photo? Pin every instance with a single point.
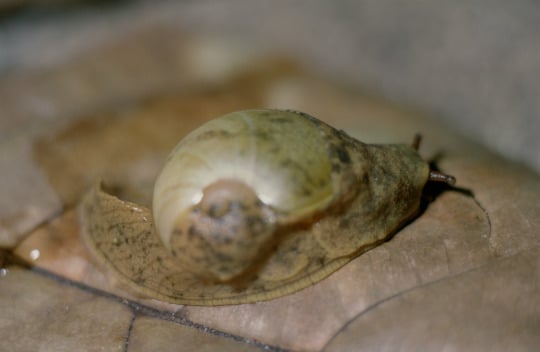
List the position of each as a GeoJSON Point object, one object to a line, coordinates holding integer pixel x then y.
{"type": "Point", "coordinates": [254, 205]}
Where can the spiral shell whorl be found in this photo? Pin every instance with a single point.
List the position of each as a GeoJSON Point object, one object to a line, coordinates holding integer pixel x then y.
{"type": "Point", "coordinates": [222, 236]}
{"type": "Point", "coordinates": [280, 155]}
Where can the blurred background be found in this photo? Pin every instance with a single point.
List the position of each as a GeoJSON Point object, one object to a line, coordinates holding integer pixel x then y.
{"type": "Point", "coordinates": [104, 89]}
{"type": "Point", "coordinates": [474, 65]}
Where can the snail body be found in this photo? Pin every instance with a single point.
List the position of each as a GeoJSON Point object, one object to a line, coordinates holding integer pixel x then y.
{"type": "Point", "coordinates": [254, 205]}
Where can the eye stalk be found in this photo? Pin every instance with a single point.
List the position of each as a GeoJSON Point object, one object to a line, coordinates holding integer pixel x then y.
{"type": "Point", "coordinates": [434, 175]}
{"type": "Point", "coordinates": [437, 176]}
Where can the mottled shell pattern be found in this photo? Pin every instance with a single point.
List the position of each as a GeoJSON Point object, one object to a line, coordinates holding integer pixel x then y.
{"type": "Point", "coordinates": [254, 205]}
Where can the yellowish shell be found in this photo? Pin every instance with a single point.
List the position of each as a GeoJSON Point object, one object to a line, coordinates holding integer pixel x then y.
{"type": "Point", "coordinates": [265, 150]}
{"type": "Point", "coordinates": [318, 196]}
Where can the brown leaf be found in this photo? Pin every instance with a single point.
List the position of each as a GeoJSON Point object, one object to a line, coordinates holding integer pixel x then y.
{"type": "Point", "coordinates": [475, 245]}
{"type": "Point", "coordinates": [493, 308]}
{"type": "Point", "coordinates": [40, 313]}
{"type": "Point", "coordinates": [151, 334]}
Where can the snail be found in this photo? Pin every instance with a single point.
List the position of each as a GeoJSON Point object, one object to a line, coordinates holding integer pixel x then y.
{"type": "Point", "coordinates": [255, 205]}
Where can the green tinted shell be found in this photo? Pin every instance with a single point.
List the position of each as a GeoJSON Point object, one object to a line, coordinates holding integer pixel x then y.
{"type": "Point", "coordinates": [252, 206]}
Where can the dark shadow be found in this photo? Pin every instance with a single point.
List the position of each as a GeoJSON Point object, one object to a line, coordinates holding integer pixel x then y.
{"type": "Point", "coordinates": [432, 190]}
{"type": "Point", "coordinates": [38, 10]}
{"type": "Point", "coordinates": [8, 258]}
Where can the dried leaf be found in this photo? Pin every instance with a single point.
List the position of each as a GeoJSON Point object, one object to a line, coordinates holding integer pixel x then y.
{"type": "Point", "coordinates": [38, 313]}
{"type": "Point", "coordinates": [493, 308]}
{"type": "Point", "coordinates": [157, 335]}
{"type": "Point", "coordinates": [475, 245]}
